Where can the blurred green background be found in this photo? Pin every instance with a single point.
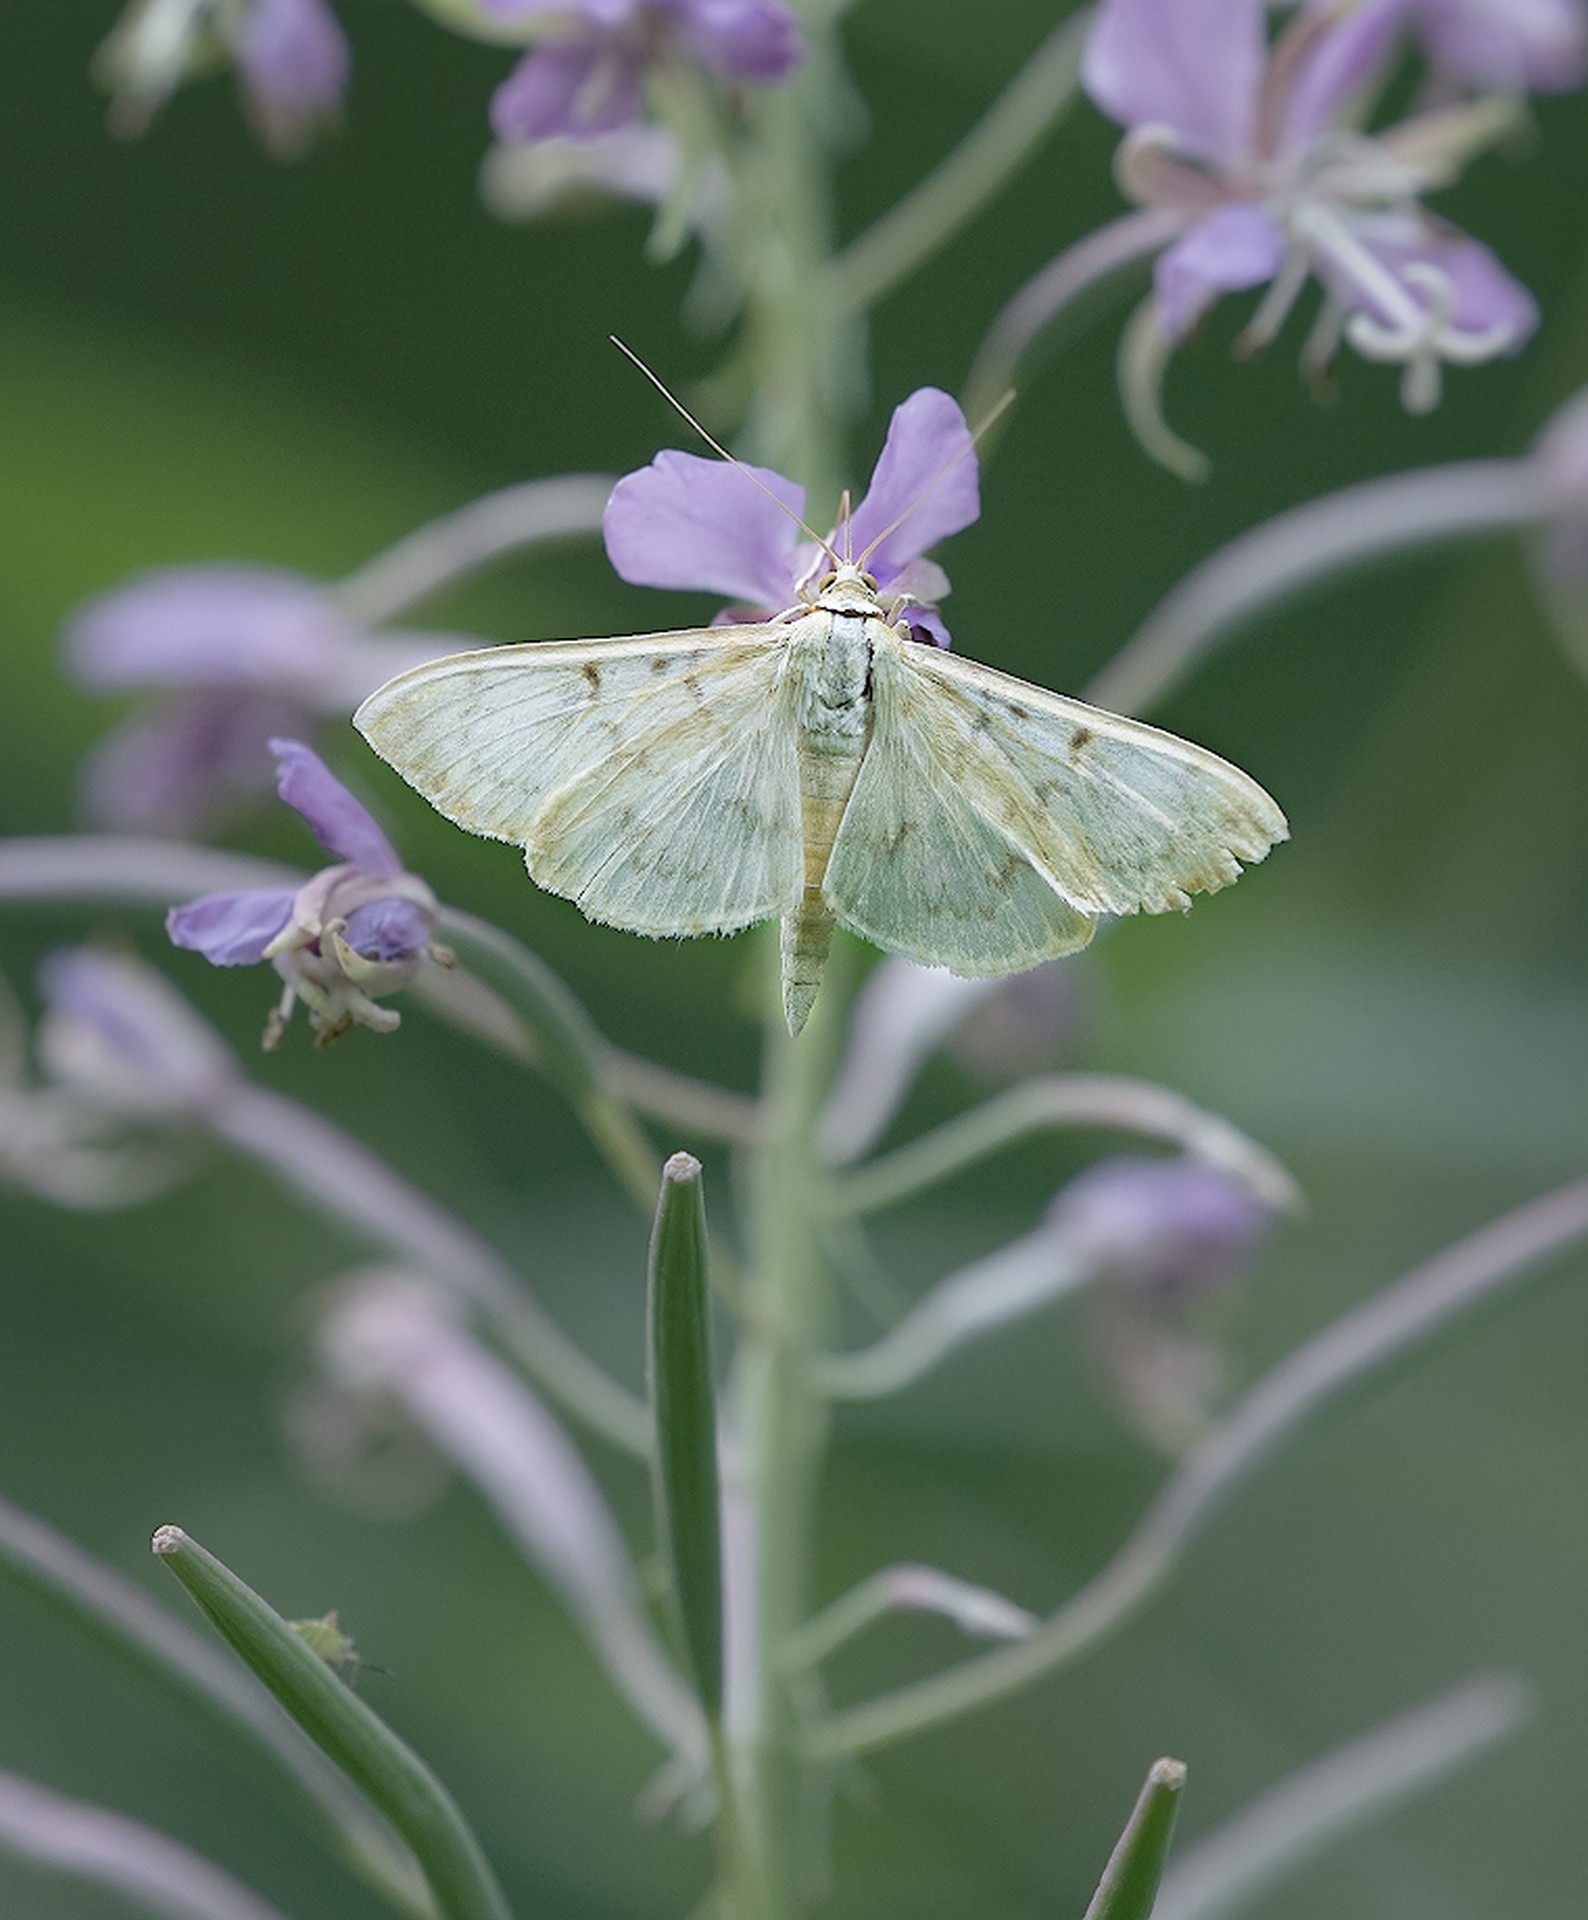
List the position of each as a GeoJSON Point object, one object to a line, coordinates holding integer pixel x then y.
{"type": "Point", "coordinates": [206, 355]}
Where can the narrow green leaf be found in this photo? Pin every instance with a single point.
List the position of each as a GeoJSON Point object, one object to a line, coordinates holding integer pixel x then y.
{"type": "Point", "coordinates": [1129, 1885]}
{"type": "Point", "coordinates": [684, 1410]}
{"type": "Point", "coordinates": [388, 1771]}
{"type": "Point", "coordinates": [81, 1592]}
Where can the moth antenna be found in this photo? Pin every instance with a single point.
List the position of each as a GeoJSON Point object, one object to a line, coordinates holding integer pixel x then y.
{"type": "Point", "coordinates": [717, 447]}
{"type": "Point", "coordinates": [939, 477]}
{"type": "Point", "coordinates": [844, 520]}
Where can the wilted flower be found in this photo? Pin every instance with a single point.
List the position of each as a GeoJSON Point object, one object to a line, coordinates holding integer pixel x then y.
{"type": "Point", "coordinates": [588, 74]}
{"type": "Point", "coordinates": [1159, 1238]}
{"type": "Point", "coordinates": [353, 932]}
{"type": "Point", "coordinates": [240, 654]}
{"type": "Point", "coordinates": [391, 1337]}
{"type": "Point", "coordinates": [1257, 155]}
{"type": "Point", "coordinates": [129, 1074]}
{"type": "Point", "coordinates": [290, 56]}
{"type": "Point", "coordinates": [691, 523]}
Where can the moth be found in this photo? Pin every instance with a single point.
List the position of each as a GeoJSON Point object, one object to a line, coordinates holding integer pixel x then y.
{"type": "Point", "coordinates": [827, 768]}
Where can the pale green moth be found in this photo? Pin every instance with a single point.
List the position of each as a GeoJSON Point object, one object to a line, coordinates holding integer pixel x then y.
{"type": "Point", "coordinates": [824, 767]}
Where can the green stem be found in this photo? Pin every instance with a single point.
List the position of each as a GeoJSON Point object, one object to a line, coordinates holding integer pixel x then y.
{"type": "Point", "coordinates": [1394, 1326]}
{"type": "Point", "coordinates": [927, 218]}
{"type": "Point", "coordinates": [1104, 1100]}
{"type": "Point", "coordinates": [804, 354]}
{"type": "Point", "coordinates": [784, 1422]}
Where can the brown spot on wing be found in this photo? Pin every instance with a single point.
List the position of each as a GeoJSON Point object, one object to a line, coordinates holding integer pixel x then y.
{"type": "Point", "coordinates": [592, 673]}
{"type": "Point", "coordinates": [1080, 740]}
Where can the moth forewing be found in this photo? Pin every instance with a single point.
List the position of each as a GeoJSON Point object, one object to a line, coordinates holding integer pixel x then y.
{"type": "Point", "coordinates": [651, 780]}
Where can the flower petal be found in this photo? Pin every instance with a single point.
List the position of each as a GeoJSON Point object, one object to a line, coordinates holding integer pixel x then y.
{"type": "Point", "coordinates": [185, 763]}
{"type": "Point", "coordinates": [343, 825]}
{"type": "Point", "coordinates": [702, 524]}
{"type": "Point", "coordinates": [388, 930]}
{"type": "Point", "coordinates": [207, 626]}
{"type": "Point", "coordinates": [293, 57]}
{"type": "Point", "coordinates": [120, 1031]}
{"type": "Point", "coordinates": [591, 84]}
{"type": "Point", "coordinates": [1343, 59]}
{"type": "Point", "coordinates": [926, 480]}
{"type": "Point", "coordinates": [1486, 296]}
{"type": "Point", "coordinates": [1193, 66]}
{"type": "Point", "coordinates": [1239, 246]}
{"type": "Point", "coordinates": [746, 39]}
{"type": "Point", "coordinates": [231, 929]}
{"type": "Point", "coordinates": [1512, 45]}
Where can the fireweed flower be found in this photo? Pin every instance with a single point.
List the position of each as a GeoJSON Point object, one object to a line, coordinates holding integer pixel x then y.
{"type": "Point", "coordinates": [1256, 155]}
{"type": "Point", "coordinates": [1160, 1240]}
{"type": "Point", "coordinates": [588, 74]}
{"type": "Point", "coordinates": [239, 654]}
{"type": "Point", "coordinates": [127, 1075]}
{"type": "Point", "coordinates": [1160, 1232]}
{"type": "Point", "coordinates": [290, 56]}
{"type": "Point", "coordinates": [695, 524]}
{"type": "Point", "coordinates": [355, 931]}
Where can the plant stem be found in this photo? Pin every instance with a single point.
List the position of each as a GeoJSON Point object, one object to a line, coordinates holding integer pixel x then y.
{"type": "Point", "coordinates": [1398, 1324]}
{"type": "Point", "coordinates": [994, 150]}
{"type": "Point", "coordinates": [784, 1422]}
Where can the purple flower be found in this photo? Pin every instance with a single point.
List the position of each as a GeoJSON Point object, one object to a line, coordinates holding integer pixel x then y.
{"type": "Point", "coordinates": [1257, 152]}
{"type": "Point", "coordinates": [588, 75]}
{"type": "Point", "coordinates": [354, 931]}
{"type": "Point", "coordinates": [240, 654]}
{"type": "Point", "coordinates": [290, 56]}
{"type": "Point", "coordinates": [1159, 1238]}
{"type": "Point", "coordinates": [1166, 1229]}
{"type": "Point", "coordinates": [691, 523]}
{"type": "Point", "coordinates": [129, 1076]}
{"type": "Point", "coordinates": [1520, 46]}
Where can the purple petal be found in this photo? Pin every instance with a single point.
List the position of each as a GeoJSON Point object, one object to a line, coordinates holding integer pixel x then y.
{"type": "Point", "coordinates": [588, 85]}
{"type": "Point", "coordinates": [1538, 45]}
{"type": "Point", "coordinates": [156, 1044]}
{"type": "Point", "coordinates": [293, 55]}
{"type": "Point", "coordinates": [207, 626]}
{"type": "Point", "coordinates": [231, 929]}
{"type": "Point", "coordinates": [1193, 66]}
{"type": "Point", "coordinates": [1342, 60]}
{"type": "Point", "coordinates": [745, 39]}
{"type": "Point", "coordinates": [1173, 1228]}
{"type": "Point", "coordinates": [926, 480]}
{"type": "Point", "coordinates": [182, 766]}
{"type": "Point", "coordinates": [927, 627]}
{"type": "Point", "coordinates": [1485, 294]}
{"type": "Point", "coordinates": [1239, 246]}
{"type": "Point", "coordinates": [703, 524]}
{"type": "Point", "coordinates": [388, 930]}
{"type": "Point", "coordinates": [343, 825]}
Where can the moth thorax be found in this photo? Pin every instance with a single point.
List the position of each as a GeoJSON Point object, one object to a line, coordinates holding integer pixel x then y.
{"type": "Point", "coordinates": [848, 589]}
